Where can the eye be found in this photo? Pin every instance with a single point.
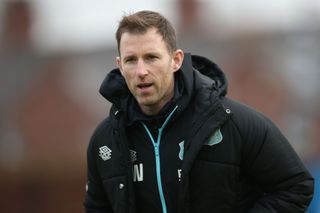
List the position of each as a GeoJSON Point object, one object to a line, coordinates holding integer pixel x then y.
{"type": "Point", "coordinates": [151, 57]}
{"type": "Point", "coordinates": [129, 60]}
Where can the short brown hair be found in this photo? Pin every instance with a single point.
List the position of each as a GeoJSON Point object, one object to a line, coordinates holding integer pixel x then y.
{"type": "Point", "coordinates": [140, 22]}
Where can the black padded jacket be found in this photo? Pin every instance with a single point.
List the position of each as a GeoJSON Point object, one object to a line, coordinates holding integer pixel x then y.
{"type": "Point", "coordinates": [251, 167]}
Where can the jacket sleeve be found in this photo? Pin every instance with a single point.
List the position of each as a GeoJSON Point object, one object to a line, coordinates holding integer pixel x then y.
{"type": "Point", "coordinates": [96, 200]}
{"type": "Point", "coordinates": [272, 163]}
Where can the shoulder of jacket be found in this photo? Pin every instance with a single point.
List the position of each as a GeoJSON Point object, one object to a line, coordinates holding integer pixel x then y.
{"type": "Point", "coordinates": [103, 130]}
{"type": "Point", "coordinates": [246, 118]}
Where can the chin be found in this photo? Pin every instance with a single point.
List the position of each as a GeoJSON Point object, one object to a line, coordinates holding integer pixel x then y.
{"type": "Point", "coordinates": [147, 103]}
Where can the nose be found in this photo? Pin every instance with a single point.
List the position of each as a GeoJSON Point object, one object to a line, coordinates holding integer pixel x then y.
{"type": "Point", "coordinates": [141, 69]}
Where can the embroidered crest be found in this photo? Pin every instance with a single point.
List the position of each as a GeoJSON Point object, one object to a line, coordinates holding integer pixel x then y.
{"type": "Point", "coordinates": [181, 145]}
{"type": "Point", "coordinates": [215, 138]}
{"type": "Point", "coordinates": [133, 155]}
{"type": "Point", "coordinates": [105, 153]}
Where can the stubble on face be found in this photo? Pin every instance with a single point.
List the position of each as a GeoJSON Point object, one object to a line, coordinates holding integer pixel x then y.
{"type": "Point", "coordinates": [148, 69]}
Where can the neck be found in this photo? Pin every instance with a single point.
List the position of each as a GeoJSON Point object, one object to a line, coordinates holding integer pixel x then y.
{"type": "Point", "coordinates": [151, 110]}
{"type": "Point", "coordinates": [156, 108]}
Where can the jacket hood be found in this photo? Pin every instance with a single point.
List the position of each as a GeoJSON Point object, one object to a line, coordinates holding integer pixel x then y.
{"type": "Point", "coordinates": [211, 70]}
{"type": "Point", "coordinates": [115, 90]}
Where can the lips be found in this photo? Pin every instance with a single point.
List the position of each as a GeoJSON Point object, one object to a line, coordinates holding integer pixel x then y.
{"type": "Point", "coordinates": [144, 88]}
{"type": "Point", "coordinates": [144, 85]}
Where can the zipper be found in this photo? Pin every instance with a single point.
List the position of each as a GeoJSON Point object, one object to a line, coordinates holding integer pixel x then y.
{"type": "Point", "coordinates": [156, 146]}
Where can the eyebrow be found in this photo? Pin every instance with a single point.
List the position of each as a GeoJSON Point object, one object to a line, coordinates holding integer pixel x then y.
{"type": "Point", "coordinates": [153, 53]}
{"type": "Point", "coordinates": [146, 54]}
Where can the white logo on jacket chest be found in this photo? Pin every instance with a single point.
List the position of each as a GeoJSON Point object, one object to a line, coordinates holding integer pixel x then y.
{"type": "Point", "coordinates": [105, 153]}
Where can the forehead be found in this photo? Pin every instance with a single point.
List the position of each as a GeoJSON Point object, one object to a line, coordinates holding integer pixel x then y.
{"type": "Point", "coordinates": [151, 40]}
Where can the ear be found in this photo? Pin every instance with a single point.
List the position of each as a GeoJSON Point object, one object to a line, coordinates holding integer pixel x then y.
{"type": "Point", "coordinates": [178, 57]}
{"type": "Point", "coordinates": [118, 61]}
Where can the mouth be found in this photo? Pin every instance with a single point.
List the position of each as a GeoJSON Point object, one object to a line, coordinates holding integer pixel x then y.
{"type": "Point", "coordinates": [144, 85]}
{"type": "Point", "coordinates": [145, 88]}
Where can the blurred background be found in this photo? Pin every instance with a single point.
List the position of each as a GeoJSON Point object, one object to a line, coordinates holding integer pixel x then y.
{"type": "Point", "coordinates": [54, 55]}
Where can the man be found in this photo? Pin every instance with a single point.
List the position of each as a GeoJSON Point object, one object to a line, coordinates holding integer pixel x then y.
{"type": "Point", "coordinates": [174, 143]}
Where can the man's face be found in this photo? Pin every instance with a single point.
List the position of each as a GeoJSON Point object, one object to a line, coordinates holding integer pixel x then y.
{"type": "Point", "coordinates": [148, 68]}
